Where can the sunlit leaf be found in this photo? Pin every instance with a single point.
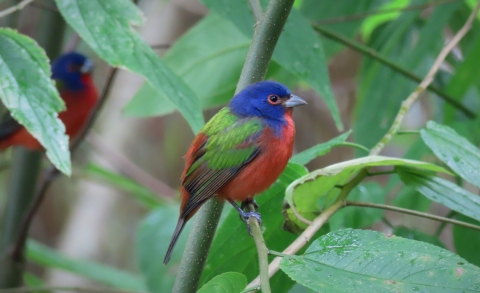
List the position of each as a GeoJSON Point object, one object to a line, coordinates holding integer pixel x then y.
{"type": "Point", "coordinates": [369, 261]}
{"type": "Point", "coordinates": [29, 93]}
{"type": "Point", "coordinates": [310, 194]}
{"type": "Point", "coordinates": [96, 21]}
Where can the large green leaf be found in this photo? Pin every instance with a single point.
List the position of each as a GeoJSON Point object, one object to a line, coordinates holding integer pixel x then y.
{"type": "Point", "coordinates": [47, 257]}
{"type": "Point", "coordinates": [233, 249]}
{"type": "Point", "coordinates": [467, 241]}
{"type": "Point", "coordinates": [299, 49]}
{"type": "Point", "coordinates": [29, 93]}
{"type": "Point", "coordinates": [140, 193]}
{"type": "Point", "coordinates": [454, 150]}
{"type": "Point", "coordinates": [153, 236]}
{"type": "Point", "coordinates": [225, 283]}
{"type": "Point", "coordinates": [106, 26]}
{"type": "Point", "coordinates": [369, 261]}
{"type": "Point", "coordinates": [311, 193]}
{"type": "Point", "coordinates": [304, 157]}
{"type": "Point", "coordinates": [216, 42]}
{"type": "Point", "coordinates": [444, 192]}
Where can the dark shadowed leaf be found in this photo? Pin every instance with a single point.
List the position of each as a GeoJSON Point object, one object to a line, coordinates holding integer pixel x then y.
{"type": "Point", "coordinates": [153, 238]}
{"type": "Point", "coordinates": [311, 193]}
{"type": "Point", "coordinates": [454, 150]}
{"type": "Point", "coordinates": [368, 261]}
{"type": "Point", "coordinates": [96, 21]}
{"type": "Point", "coordinates": [467, 241]}
{"type": "Point", "coordinates": [44, 256]}
{"type": "Point", "coordinates": [225, 283]}
{"type": "Point", "coordinates": [299, 49]}
{"type": "Point", "coordinates": [29, 93]}
{"type": "Point", "coordinates": [304, 157]}
{"type": "Point", "coordinates": [443, 192]}
{"type": "Point", "coordinates": [417, 235]}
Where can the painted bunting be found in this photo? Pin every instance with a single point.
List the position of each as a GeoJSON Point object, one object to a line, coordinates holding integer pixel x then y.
{"type": "Point", "coordinates": [240, 152]}
{"type": "Point", "coordinates": [72, 74]}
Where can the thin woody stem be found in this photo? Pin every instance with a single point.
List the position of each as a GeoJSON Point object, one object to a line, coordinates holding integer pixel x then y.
{"type": "Point", "coordinates": [411, 212]}
{"type": "Point", "coordinates": [412, 98]}
{"type": "Point", "coordinates": [15, 8]}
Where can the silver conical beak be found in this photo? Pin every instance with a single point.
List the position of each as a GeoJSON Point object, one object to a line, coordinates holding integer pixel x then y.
{"type": "Point", "coordinates": [294, 101]}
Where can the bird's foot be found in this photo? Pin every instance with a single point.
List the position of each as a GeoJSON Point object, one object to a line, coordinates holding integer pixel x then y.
{"type": "Point", "coordinates": [248, 201]}
{"type": "Point", "coordinates": [245, 216]}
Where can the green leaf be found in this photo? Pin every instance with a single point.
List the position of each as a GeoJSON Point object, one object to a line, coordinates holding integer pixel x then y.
{"type": "Point", "coordinates": [299, 49]}
{"type": "Point", "coordinates": [308, 155]}
{"type": "Point", "coordinates": [216, 42]}
{"type": "Point", "coordinates": [417, 235]}
{"type": "Point", "coordinates": [444, 192]}
{"type": "Point", "coordinates": [96, 21]}
{"type": "Point", "coordinates": [33, 281]}
{"type": "Point", "coordinates": [233, 249]}
{"type": "Point", "coordinates": [375, 20]}
{"type": "Point", "coordinates": [44, 256]}
{"type": "Point", "coordinates": [454, 150]}
{"type": "Point", "coordinates": [311, 193]}
{"type": "Point", "coordinates": [360, 217]}
{"type": "Point", "coordinates": [140, 193]}
{"type": "Point", "coordinates": [29, 93]}
{"type": "Point", "coordinates": [467, 241]}
{"type": "Point", "coordinates": [152, 240]}
{"type": "Point", "coordinates": [225, 283]}
{"type": "Point", "coordinates": [368, 261]}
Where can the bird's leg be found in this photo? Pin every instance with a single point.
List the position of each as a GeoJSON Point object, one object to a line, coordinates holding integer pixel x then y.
{"type": "Point", "coordinates": [246, 202]}
{"type": "Point", "coordinates": [244, 216]}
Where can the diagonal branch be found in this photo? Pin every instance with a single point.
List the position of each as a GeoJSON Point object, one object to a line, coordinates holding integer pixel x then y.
{"type": "Point", "coordinates": [412, 98]}
{"type": "Point", "coordinates": [15, 8]}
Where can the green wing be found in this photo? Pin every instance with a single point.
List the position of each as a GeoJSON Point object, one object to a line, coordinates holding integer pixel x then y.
{"type": "Point", "coordinates": [230, 146]}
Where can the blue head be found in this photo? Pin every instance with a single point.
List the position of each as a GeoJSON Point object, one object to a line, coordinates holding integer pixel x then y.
{"type": "Point", "coordinates": [269, 100]}
{"type": "Point", "coordinates": [69, 68]}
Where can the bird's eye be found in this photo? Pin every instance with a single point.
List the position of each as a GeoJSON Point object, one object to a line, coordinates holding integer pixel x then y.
{"type": "Point", "coordinates": [274, 99]}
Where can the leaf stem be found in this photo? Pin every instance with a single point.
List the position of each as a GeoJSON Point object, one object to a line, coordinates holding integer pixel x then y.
{"type": "Point", "coordinates": [254, 69]}
{"type": "Point", "coordinates": [412, 98]}
{"type": "Point", "coordinates": [316, 225]}
{"type": "Point", "coordinates": [411, 212]}
{"type": "Point", "coordinates": [376, 56]}
{"type": "Point", "coordinates": [262, 252]}
{"type": "Point", "coordinates": [15, 8]}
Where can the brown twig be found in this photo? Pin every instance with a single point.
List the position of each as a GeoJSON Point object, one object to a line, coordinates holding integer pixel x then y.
{"type": "Point", "coordinates": [130, 169]}
{"type": "Point", "coordinates": [15, 8]}
{"type": "Point", "coordinates": [412, 98]}
{"type": "Point", "coordinates": [411, 212]}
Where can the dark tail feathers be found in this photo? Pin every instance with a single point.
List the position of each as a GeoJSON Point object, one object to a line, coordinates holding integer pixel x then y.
{"type": "Point", "coordinates": [181, 223]}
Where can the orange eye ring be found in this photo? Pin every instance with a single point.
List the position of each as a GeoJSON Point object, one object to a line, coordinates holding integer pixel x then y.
{"type": "Point", "coordinates": [274, 99]}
